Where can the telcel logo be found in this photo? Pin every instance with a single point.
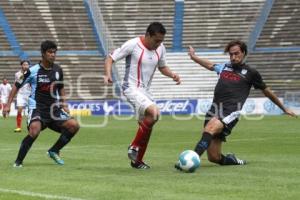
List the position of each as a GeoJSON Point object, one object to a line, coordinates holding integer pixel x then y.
{"type": "Point", "coordinates": [169, 106]}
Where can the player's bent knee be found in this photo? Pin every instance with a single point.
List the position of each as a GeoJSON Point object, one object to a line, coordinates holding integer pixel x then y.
{"type": "Point", "coordinates": [34, 129]}
{"type": "Point", "coordinates": [156, 117]}
{"type": "Point", "coordinates": [72, 126]}
{"type": "Point", "coordinates": [153, 114]}
{"type": "Point", "coordinates": [214, 126]}
{"type": "Point", "coordinates": [34, 132]}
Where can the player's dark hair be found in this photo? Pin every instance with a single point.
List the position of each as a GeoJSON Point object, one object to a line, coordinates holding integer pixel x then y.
{"type": "Point", "coordinates": [156, 27]}
{"type": "Point", "coordinates": [47, 44]}
{"type": "Point", "coordinates": [241, 44]}
{"type": "Point", "coordinates": [23, 61]}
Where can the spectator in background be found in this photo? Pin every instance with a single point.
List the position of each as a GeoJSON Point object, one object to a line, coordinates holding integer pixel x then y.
{"type": "Point", "coordinates": [5, 89]}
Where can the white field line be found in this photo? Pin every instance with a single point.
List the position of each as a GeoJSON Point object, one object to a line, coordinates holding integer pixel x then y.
{"type": "Point", "coordinates": [34, 194]}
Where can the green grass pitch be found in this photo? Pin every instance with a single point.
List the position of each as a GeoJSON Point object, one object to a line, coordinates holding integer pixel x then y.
{"type": "Point", "coordinates": [96, 164]}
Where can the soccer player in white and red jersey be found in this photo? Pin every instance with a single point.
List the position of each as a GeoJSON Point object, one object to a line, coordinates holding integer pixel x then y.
{"type": "Point", "coordinates": [23, 93]}
{"type": "Point", "coordinates": [143, 55]}
{"type": "Point", "coordinates": [5, 89]}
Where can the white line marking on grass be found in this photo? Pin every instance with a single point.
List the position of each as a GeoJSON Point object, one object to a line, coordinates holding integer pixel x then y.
{"type": "Point", "coordinates": [34, 194]}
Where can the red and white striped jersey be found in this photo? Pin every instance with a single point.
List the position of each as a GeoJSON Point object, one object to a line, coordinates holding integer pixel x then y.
{"type": "Point", "coordinates": [141, 62]}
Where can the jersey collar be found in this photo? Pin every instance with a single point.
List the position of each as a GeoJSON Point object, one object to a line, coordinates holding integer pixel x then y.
{"type": "Point", "coordinates": [47, 69]}
{"type": "Point", "coordinates": [142, 39]}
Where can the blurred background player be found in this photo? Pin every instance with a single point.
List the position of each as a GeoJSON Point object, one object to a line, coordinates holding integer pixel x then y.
{"type": "Point", "coordinates": [23, 93]}
{"type": "Point", "coordinates": [5, 89]}
{"type": "Point", "coordinates": [47, 104]}
{"type": "Point", "coordinates": [143, 55]}
{"type": "Point", "coordinates": [233, 87]}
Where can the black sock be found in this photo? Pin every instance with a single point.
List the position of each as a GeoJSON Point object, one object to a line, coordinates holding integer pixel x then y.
{"type": "Point", "coordinates": [204, 143]}
{"type": "Point", "coordinates": [24, 148]}
{"type": "Point", "coordinates": [64, 139]}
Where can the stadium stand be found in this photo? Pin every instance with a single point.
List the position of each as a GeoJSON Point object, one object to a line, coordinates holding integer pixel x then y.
{"type": "Point", "coordinates": [282, 27]}
{"type": "Point", "coordinates": [8, 67]}
{"type": "Point", "coordinates": [280, 70]}
{"type": "Point", "coordinates": [4, 45]}
{"type": "Point", "coordinates": [128, 19]}
{"type": "Point", "coordinates": [64, 21]}
{"type": "Point", "coordinates": [82, 74]}
{"type": "Point", "coordinates": [211, 24]}
{"type": "Point", "coordinates": [277, 51]}
{"type": "Point", "coordinates": [207, 25]}
{"type": "Point", "coordinates": [67, 23]}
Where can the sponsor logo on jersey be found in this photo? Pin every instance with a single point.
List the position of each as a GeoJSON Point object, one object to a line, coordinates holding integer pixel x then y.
{"type": "Point", "coordinates": [230, 76]}
{"type": "Point", "coordinates": [43, 79]}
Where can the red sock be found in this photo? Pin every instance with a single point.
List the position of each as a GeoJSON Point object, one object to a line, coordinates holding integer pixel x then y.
{"type": "Point", "coordinates": [19, 120]}
{"type": "Point", "coordinates": [142, 138]}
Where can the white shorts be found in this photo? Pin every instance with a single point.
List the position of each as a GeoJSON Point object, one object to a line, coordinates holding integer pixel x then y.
{"type": "Point", "coordinates": [139, 98]}
{"type": "Point", "coordinates": [4, 99]}
{"type": "Point", "coordinates": [22, 100]}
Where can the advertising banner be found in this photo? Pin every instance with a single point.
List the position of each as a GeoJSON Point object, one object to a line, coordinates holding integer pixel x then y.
{"type": "Point", "coordinates": [253, 106]}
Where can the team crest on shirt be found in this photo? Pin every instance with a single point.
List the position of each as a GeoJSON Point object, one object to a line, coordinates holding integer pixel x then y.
{"type": "Point", "coordinates": [57, 75]}
{"type": "Point", "coordinates": [244, 71]}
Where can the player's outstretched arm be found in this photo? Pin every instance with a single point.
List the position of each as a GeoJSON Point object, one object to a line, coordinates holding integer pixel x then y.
{"type": "Point", "coordinates": [201, 61]}
{"type": "Point", "coordinates": [108, 68]}
{"type": "Point", "coordinates": [167, 72]}
{"type": "Point", "coordinates": [12, 94]}
{"type": "Point", "coordinates": [268, 93]}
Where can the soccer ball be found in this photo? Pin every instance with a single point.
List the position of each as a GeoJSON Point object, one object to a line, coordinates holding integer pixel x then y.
{"type": "Point", "coordinates": [189, 161]}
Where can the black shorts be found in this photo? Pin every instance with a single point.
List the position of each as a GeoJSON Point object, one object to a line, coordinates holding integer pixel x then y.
{"type": "Point", "coordinates": [228, 117]}
{"type": "Point", "coordinates": [52, 119]}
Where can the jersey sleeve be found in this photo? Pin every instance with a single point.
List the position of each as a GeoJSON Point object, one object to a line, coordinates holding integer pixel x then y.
{"type": "Point", "coordinates": [125, 50]}
{"type": "Point", "coordinates": [257, 81]}
{"type": "Point", "coordinates": [219, 67]}
{"type": "Point", "coordinates": [162, 60]}
{"type": "Point", "coordinates": [23, 79]}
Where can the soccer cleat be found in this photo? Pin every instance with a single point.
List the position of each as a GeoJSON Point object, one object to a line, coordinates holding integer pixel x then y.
{"type": "Point", "coordinates": [236, 160]}
{"type": "Point", "coordinates": [139, 165]}
{"type": "Point", "coordinates": [133, 153]}
{"type": "Point", "coordinates": [17, 165]}
{"type": "Point", "coordinates": [177, 167]}
{"type": "Point", "coordinates": [55, 156]}
{"type": "Point", "coordinates": [18, 130]}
